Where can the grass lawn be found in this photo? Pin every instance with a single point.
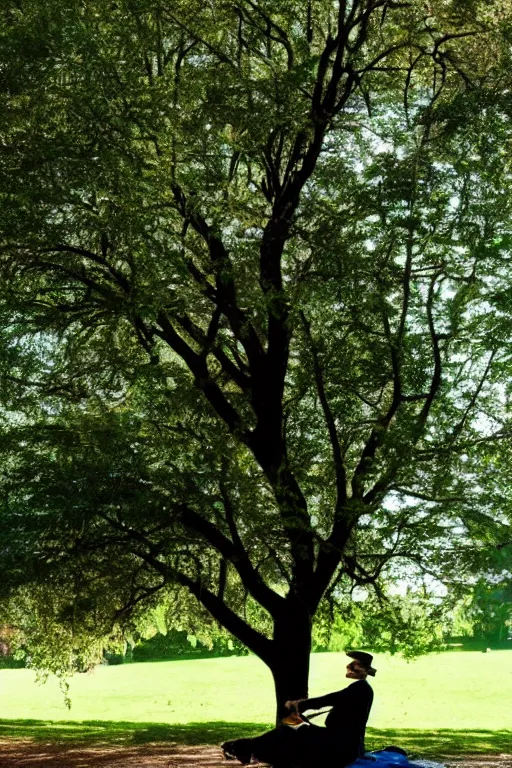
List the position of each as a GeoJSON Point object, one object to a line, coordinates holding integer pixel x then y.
{"type": "Point", "coordinates": [439, 704]}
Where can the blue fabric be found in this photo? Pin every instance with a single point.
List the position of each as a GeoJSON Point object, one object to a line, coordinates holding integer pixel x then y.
{"type": "Point", "coordinates": [380, 760]}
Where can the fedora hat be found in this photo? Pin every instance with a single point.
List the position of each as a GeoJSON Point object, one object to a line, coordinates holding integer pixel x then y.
{"type": "Point", "coordinates": [365, 659]}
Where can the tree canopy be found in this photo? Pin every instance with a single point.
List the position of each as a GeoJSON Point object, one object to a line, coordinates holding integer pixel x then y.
{"type": "Point", "coordinates": [255, 314]}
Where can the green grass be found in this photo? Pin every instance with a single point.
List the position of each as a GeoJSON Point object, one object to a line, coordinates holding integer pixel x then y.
{"type": "Point", "coordinates": [440, 743]}
{"type": "Point", "coordinates": [443, 704]}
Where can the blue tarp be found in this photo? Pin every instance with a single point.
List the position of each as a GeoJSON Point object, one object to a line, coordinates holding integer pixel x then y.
{"type": "Point", "coordinates": [389, 759]}
{"type": "Point", "coordinates": [381, 759]}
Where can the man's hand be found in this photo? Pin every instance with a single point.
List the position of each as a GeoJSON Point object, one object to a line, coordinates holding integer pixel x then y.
{"type": "Point", "coordinates": [293, 705]}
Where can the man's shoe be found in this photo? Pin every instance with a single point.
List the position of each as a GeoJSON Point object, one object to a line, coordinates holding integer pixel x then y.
{"type": "Point", "coordinates": [239, 749]}
{"type": "Point", "coordinates": [228, 750]}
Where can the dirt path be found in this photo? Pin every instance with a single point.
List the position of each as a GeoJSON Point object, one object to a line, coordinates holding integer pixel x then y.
{"type": "Point", "coordinates": [20, 754]}
{"type": "Point", "coordinates": [479, 761]}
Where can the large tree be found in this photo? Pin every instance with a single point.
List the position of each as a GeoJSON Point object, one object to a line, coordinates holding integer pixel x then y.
{"type": "Point", "coordinates": [255, 305]}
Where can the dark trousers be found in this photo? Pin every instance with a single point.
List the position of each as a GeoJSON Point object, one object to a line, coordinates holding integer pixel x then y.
{"type": "Point", "coordinates": [306, 746]}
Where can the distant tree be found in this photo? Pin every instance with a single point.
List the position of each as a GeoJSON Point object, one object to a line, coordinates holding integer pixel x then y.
{"type": "Point", "coordinates": [492, 612]}
{"type": "Point", "coordinates": [485, 613]}
{"type": "Point", "coordinates": [255, 314]}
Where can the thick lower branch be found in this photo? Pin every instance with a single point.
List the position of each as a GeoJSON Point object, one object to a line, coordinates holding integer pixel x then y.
{"type": "Point", "coordinates": [256, 642]}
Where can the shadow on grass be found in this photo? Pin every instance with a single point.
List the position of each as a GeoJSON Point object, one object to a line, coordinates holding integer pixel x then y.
{"type": "Point", "coordinates": [442, 742]}
{"type": "Point", "coordinates": [99, 733]}
{"type": "Point", "coordinates": [116, 733]}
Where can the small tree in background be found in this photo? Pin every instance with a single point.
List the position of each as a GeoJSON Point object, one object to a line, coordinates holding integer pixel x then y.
{"type": "Point", "coordinates": [485, 613]}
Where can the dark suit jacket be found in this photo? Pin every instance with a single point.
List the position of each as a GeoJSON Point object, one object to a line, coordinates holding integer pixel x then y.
{"type": "Point", "coordinates": [346, 721]}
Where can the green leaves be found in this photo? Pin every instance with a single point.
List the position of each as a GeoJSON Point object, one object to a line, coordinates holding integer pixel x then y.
{"type": "Point", "coordinates": [255, 267]}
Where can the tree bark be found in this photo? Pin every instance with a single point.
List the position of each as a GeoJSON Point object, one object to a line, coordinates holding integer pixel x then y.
{"type": "Point", "coordinates": [290, 653]}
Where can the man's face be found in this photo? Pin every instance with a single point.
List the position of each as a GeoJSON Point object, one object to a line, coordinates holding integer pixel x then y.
{"type": "Point", "coordinates": [356, 671]}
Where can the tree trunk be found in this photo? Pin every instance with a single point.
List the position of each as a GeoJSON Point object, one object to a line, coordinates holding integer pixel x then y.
{"type": "Point", "coordinates": [291, 652]}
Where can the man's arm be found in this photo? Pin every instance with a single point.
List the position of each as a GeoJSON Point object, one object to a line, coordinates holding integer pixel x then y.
{"type": "Point", "coordinates": [329, 700]}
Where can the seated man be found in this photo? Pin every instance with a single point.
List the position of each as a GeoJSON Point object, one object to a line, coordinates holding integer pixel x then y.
{"type": "Point", "coordinates": [342, 739]}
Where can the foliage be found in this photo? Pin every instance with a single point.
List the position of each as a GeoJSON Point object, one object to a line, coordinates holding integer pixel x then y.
{"type": "Point", "coordinates": [255, 316]}
{"type": "Point", "coordinates": [486, 611]}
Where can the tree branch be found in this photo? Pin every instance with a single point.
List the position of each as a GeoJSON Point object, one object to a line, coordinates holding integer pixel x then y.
{"type": "Point", "coordinates": [436, 376]}
{"type": "Point", "coordinates": [203, 380]}
{"type": "Point", "coordinates": [118, 276]}
{"type": "Point", "coordinates": [339, 467]}
{"type": "Point", "coordinates": [474, 397]}
{"type": "Point", "coordinates": [230, 369]}
{"type": "Point", "coordinates": [254, 640]}
{"type": "Point", "coordinates": [150, 553]}
{"type": "Point", "coordinates": [225, 297]}
{"type": "Point", "coordinates": [237, 555]}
